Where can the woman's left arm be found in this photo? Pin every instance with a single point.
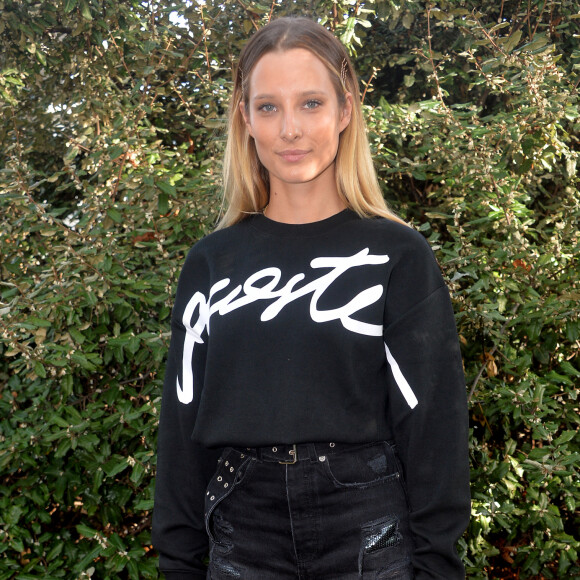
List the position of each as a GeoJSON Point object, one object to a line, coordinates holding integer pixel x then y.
{"type": "Point", "coordinates": [428, 411]}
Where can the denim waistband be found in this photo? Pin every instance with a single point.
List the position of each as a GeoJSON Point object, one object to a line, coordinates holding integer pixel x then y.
{"type": "Point", "coordinates": [285, 453]}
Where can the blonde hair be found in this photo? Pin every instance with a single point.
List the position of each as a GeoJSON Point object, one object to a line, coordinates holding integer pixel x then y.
{"type": "Point", "coordinates": [245, 179]}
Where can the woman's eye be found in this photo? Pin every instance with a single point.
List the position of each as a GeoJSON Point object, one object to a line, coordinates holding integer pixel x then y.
{"type": "Point", "coordinates": [313, 104]}
{"type": "Point", "coordinates": [267, 108]}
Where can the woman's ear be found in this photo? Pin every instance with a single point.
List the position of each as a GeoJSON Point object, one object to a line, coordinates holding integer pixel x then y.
{"type": "Point", "coordinates": [246, 117]}
{"type": "Point", "coordinates": [346, 112]}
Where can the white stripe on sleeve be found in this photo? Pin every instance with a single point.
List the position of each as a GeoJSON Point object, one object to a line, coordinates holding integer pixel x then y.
{"type": "Point", "coordinates": [401, 380]}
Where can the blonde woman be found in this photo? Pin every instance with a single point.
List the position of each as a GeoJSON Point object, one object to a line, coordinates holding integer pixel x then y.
{"type": "Point", "coordinates": [314, 418]}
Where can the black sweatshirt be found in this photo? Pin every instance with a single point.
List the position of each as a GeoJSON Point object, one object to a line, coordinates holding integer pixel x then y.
{"type": "Point", "coordinates": [339, 330]}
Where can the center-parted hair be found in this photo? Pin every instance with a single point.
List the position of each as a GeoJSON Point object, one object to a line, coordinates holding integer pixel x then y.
{"type": "Point", "coordinates": [246, 182]}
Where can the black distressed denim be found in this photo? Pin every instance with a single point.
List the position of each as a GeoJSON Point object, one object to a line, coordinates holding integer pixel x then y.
{"type": "Point", "coordinates": [338, 513]}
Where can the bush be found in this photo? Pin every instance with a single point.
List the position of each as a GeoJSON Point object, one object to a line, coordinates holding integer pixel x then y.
{"type": "Point", "coordinates": [113, 116]}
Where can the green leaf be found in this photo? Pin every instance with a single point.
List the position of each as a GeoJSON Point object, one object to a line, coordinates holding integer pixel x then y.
{"type": "Point", "coordinates": [55, 551]}
{"type": "Point", "coordinates": [78, 336]}
{"type": "Point", "coordinates": [557, 378]}
{"type": "Point", "coordinates": [40, 370]}
{"type": "Point", "coordinates": [115, 215]}
{"type": "Point", "coordinates": [144, 505]}
{"type": "Point", "coordinates": [39, 322]}
{"type": "Point", "coordinates": [167, 188]}
{"type": "Point", "coordinates": [82, 360]}
{"type": "Point", "coordinates": [40, 57]}
{"type": "Point", "coordinates": [85, 10]}
{"type": "Point", "coordinates": [115, 465]}
{"type": "Point", "coordinates": [116, 151]}
{"type": "Point", "coordinates": [569, 369]}
{"type": "Point", "coordinates": [134, 571]}
{"type": "Point", "coordinates": [58, 420]}
{"type": "Point", "coordinates": [513, 40]}
{"type": "Point", "coordinates": [70, 5]}
{"type": "Point", "coordinates": [565, 437]}
{"type": "Point", "coordinates": [17, 544]}
{"type": "Point", "coordinates": [63, 448]}
{"type": "Point", "coordinates": [137, 473]}
{"type": "Point", "coordinates": [163, 204]}
{"type": "Point", "coordinates": [540, 40]}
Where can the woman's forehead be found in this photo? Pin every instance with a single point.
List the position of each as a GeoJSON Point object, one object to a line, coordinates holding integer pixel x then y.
{"type": "Point", "coordinates": [296, 68]}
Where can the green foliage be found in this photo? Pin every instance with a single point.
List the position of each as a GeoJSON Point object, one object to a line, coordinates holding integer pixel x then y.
{"type": "Point", "coordinates": [112, 128]}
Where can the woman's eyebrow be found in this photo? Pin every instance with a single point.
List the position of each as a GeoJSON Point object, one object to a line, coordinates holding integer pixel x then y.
{"type": "Point", "coordinates": [307, 93]}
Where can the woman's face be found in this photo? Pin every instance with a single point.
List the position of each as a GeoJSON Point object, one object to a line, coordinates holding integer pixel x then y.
{"type": "Point", "coordinates": [294, 115]}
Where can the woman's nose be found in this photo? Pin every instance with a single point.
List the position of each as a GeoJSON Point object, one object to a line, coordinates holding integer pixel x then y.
{"type": "Point", "coordinates": [290, 126]}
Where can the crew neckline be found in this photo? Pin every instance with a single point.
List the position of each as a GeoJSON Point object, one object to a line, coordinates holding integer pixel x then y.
{"type": "Point", "coordinates": [269, 226]}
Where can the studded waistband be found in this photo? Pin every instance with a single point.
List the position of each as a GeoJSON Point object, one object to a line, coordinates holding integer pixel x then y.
{"type": "Point", "coordinates": [286, 453]}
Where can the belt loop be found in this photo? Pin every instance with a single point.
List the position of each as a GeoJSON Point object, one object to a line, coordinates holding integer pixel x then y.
{"type": "Point", "coordinates": [313, 453]}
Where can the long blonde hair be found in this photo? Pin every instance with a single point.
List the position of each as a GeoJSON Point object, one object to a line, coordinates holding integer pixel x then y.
{"type": "Point", "coordinates": [245, 179]}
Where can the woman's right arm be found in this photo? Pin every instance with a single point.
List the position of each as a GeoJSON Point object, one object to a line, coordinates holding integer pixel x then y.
{"type": "Point", "coordinates": [183, 466]}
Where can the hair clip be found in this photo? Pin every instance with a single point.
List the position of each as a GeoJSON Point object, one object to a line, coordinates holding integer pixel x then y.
{"type": "Point", "coordinates": [343, 70]}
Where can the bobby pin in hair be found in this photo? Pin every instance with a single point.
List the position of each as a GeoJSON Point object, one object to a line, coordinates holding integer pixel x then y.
{"type": "Point", "coordinates": [343, 69]}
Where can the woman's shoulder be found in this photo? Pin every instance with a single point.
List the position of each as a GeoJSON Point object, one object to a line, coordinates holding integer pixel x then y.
{"type": "Point", "coordinates": [219, 238]}
{"type": "Point", "coordinates": [208, 253]}
{"type": "Point", "coordinates": [395, 234]}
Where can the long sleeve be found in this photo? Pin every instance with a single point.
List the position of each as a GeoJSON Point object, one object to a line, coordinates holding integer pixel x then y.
{"type": "Point", "coordinates": [183, 466]}
{"type": "Point", "coordinates": [428, 412]}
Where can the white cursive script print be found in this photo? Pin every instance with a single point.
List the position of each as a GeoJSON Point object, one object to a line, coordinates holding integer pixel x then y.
{"type": "Point", "coordinates": [270, 289]}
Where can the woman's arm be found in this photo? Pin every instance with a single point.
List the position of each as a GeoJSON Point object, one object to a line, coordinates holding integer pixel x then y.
{"type": "Point", "coordinates": [184, 467]}
{"type": "Point", "coordinates": [428, 412]}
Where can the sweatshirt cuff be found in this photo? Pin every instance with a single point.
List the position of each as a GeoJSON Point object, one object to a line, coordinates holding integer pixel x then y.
{"type": "Point", "coordinates": [185, 575]}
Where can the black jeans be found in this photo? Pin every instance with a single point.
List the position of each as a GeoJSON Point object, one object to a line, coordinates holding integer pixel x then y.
{"type": "Point", "coordinates": [338, 513]}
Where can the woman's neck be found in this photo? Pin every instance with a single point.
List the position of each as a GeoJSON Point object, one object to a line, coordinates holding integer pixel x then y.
{"type": "Point", "coordinates": [303, 203]}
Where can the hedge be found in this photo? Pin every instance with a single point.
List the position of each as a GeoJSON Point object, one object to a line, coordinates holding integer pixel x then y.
{"type": "Point", "coordinates": [113, 116]}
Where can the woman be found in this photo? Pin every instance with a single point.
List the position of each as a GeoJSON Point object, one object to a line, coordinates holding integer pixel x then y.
{"type": "Point", "coordinates": [313, 352]}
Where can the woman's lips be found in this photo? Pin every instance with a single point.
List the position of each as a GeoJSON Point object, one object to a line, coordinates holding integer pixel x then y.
{"type": "Point", "coordinates": [293, 155]}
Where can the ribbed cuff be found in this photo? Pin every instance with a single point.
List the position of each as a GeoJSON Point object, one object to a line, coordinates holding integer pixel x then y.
{"type": "Point", "coordinates": [185, 575]}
